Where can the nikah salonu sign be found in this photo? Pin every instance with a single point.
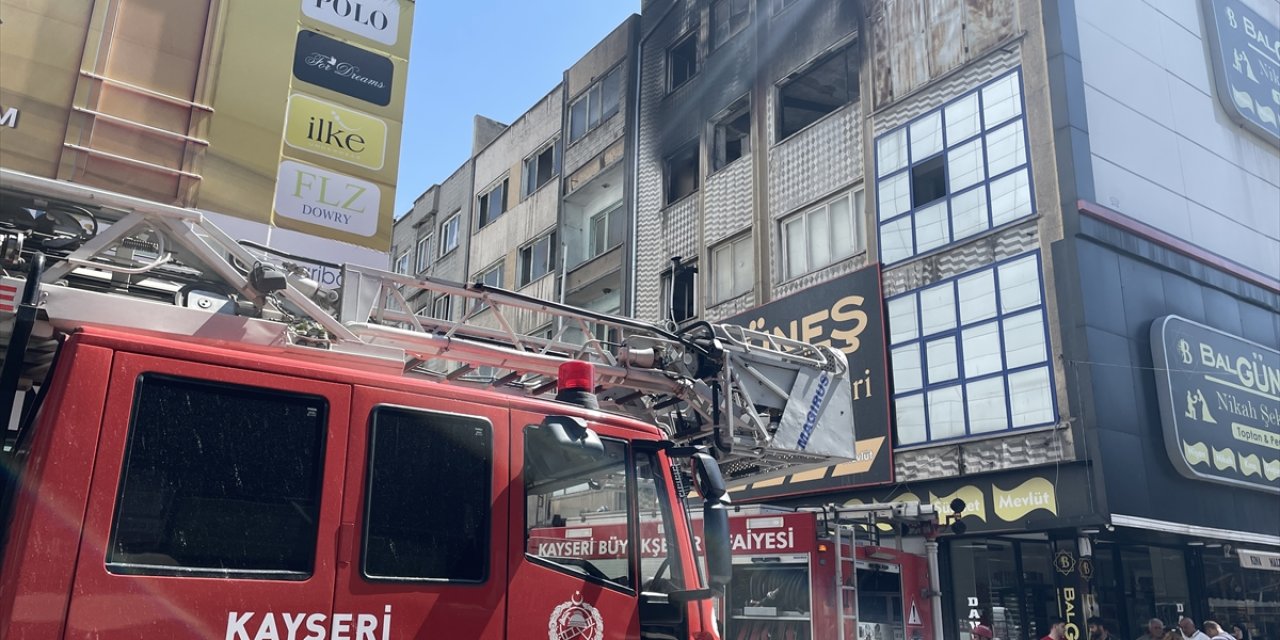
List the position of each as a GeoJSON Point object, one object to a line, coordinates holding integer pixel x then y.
{"type": "Point", "coordinates": [1219, 404]}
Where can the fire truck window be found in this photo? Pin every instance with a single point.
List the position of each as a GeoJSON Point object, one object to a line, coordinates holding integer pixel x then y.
{"type": "Point", "coordinates": [576, 517]}
{"type": "Point", "coordinates": [659, 560]}
{"type": "Point", "coordinates": [410, 532]}
{"type": "Point", "coordinates": [219, 481]}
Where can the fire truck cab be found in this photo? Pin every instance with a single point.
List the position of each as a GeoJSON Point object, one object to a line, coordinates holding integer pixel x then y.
{"type": "Point", "coordinates": [182, 489]}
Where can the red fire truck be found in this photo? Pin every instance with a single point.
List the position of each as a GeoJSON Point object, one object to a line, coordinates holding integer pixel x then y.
{"type": "Point", "coordinates": [202, 443]}
{"type": "Point", "coordinates": [797, 575]}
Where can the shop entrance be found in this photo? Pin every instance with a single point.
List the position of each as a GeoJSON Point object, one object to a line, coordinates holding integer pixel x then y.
{"type": "Point", "coordinates": [1003, 582]}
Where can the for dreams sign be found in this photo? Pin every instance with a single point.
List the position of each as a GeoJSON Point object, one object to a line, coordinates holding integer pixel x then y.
{"type": "Point", "coordinates": [1219, 404]}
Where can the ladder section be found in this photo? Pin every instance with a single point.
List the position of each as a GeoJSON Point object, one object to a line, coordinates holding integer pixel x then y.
{"type": "Point", "coordinates": [765, 404]}
{"type": "Point", "coordinates": [718, 385]}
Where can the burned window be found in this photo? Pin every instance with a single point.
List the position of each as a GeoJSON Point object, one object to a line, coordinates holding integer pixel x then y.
{"type": "Point", "coordinates": [219, 481]}
{"type": "Point", "coordinates": [682, 173]}
{"type": "Point", "coordinates": [682, 61]}
{"type": "Point", "coordinates": [410, 532]}
{"type": "Point", "coordinates": [728, 17]}
{"type": "Point", "coordinates": [679, 291]}
{"type": "Point", "coordinates": [732, 135]}
{"type": "Point", "coordinates": [493, 203]}
{"type": "Point", "coordinates": [821, 89]}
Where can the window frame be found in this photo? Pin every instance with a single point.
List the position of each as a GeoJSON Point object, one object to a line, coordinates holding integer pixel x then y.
{"type": "Point", "coordinates": [852, 87]}
{"type": "Point", "coordinates": [448, 307]}
{"type": "Point", "coordinates": [596, 93]}
{"type": "Point", "coordinates": [228, 388]}
{"type": "Point", "coordinates": [732, 31]}
{"type": "Point", "coordinates": [401, 264]}
{"type": "Point", "coordinates": [424, 253]}
{"type": "Point", "coordinates": [733, 244]}
{"type": "Point", "coordinates": [666, 282]}
{"type": "Point", "coordinates": [449, 237]}
{"type": "Point", "coordinates": [484, 202]}
{"type": "Point", "coordinates": [894, 179]}
{"type": "Point", "coordinates": [606, 215]}
{"type": "Point", "coordinates": [719, 140]}
{"type": "Point", "coordinates": [531, 166]}
{"type": "Point", "coordinates": [782, 5]}
{"type": "Point", "coordinates": [856, 197]}
{"type": "Point", "coordinates": [632, 519]}
{"type": "Point", "coordinates": [692, 148]}
{"type": "Point", "coordinates": [690, 39]}
{"type": "Point", "coordinates": [482, 276]}
{"type": "Point", "coordinates": [524, 275]}
{"type": "Point", "coordinates": [922, 340]}
{"type": "Point", "coordinates": [487, 492]}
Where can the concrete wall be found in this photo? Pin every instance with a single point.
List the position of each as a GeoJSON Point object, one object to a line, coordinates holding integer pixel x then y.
{"type": "Point", "coordinates": [1163, 149]}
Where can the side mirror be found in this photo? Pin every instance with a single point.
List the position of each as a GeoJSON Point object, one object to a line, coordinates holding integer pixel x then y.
{"type": "Point", "coordinates": [573, 433]}
{"type": "Point", "coordinates": [715, 519]}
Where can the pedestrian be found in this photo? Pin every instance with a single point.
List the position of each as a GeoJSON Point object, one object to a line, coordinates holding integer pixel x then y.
{"type": "Point", "coordinates": [1240, 631]}
{"type": "Point", "coordinates": [1155, 630]}
{"type": "Point", "coordinates": [1189, 630]}
{"type": "Point", "coordinates": [1100, 629]}
{"type": "Point", "coordinates": [982, 631]}
{"type": "Point", "coordinates": [1057, 629]}
{"type": "Point", "coordinates": [1215, 631]}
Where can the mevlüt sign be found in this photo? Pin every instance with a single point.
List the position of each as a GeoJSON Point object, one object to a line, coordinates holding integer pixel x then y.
{"type": "Point", "coordinates": [1219, 404]}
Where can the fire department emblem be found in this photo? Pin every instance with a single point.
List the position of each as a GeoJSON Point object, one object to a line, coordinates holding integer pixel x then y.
{"type": "Point", "coordinates": [575, 620]}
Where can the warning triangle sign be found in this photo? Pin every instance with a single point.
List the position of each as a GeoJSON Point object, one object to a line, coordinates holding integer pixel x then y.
{"type": "Point", "coordinates": [914, 618]}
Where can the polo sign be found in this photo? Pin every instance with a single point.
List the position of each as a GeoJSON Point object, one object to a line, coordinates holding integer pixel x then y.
{"type": "Point", "coordinates": [1219, 403]}
{"type": "Point", "coordinates": [377, 20]}
{"type": "Point", "coordinates": [338, 66]}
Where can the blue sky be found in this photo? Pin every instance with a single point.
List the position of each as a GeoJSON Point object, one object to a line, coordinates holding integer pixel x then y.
{"type": "Point", "coordinates": [491, 57]}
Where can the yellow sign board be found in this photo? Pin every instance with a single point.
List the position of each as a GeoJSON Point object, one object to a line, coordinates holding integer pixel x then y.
{"type": "Point", "coordinates": [336, 132]}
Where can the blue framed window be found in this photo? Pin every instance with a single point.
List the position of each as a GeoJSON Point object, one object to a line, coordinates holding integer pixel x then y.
{"type": "Point", "coordinates": [954, 172]}
{"type": "Point", "coordinates": [970, 354]}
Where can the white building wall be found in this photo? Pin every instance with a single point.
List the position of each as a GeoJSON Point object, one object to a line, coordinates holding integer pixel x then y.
{"type": "Point", "coordinates": [1163, 149]}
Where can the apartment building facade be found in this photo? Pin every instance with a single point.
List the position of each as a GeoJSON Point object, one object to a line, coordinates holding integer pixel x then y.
{"type": "Point", "coordinates": [928, 172]}
{"type": "Point", "coordinates": [1025, 222]}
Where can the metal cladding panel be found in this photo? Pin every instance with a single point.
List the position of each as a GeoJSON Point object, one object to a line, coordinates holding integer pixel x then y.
{"type": "Point", "coordinates": [971, 255]}
{"type": "Point", "coordinates": [976, 73]}
{"type": "Point", "coordinates": [729, 200]}
{"type": "Point", "coordinates": [816, 162]}
{"type": "Point", "coordinates": [680, 236]}
{"type": "Point", "coordinates": [740, 304]}
{"type": "Point", "coordinates": [1014, 450]}
{"type": "Point", "coordinates": [816, 277]}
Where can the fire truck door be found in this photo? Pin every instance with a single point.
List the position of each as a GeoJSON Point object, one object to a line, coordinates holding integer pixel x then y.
{"type": "Point", "coordinates": [422, 545]}
{"type": "Point", "coordinates": [574, 550]}
{"type": "Point", "coordinates": [205, 517]}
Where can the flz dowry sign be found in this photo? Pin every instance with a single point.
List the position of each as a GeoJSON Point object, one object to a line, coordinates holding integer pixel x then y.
{"type": "Point", "coordinates": [332, 64]}
{"type": "Point", "coordinates": [1219, 402]}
